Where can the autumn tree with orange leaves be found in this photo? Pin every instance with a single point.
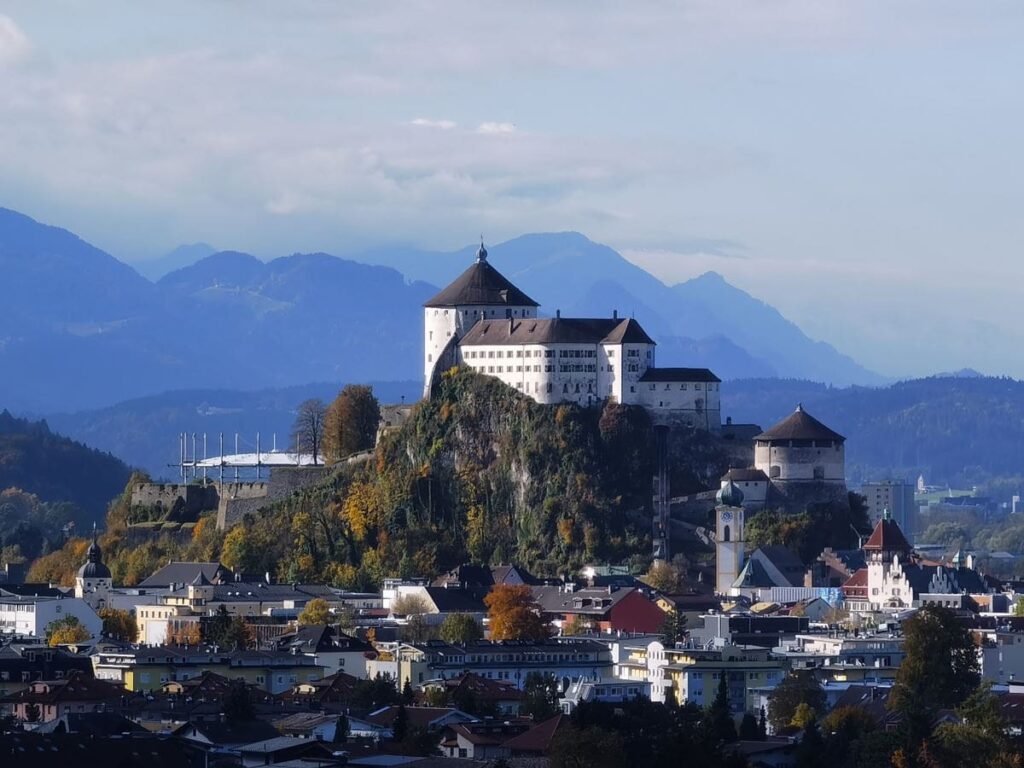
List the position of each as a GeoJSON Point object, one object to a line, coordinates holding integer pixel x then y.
{"type": "Point", "coordinates": [514, 615]}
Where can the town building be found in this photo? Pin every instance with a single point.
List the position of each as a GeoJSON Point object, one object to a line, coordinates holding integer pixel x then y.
{"type": "Point", "coordinates": [484, 322]}
{"type": "Point", "coordinates": [29, 615]}
{"type": "Point", "coordinates": [897, 496]}
{"type": "Point", "coordinates": [601, 609]}
{"type": "Point", "coordinates": [23, 663]}
{"type": "Point", "coordinates": [151, 668]}
{"type": "Point", "coordinates": [46, 700]}
{"type": "Point", "coordinates": [329, 648]}
{"type": "Point", "coordinates": [896, 579]}
{"type": "Point", "coordinates": [566, 659]}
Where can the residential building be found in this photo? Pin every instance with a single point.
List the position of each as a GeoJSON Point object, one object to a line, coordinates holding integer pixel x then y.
{"type": "Point", "coordinates": [330, 648]}
{"type": "Point", "coordinates": [30, 615]}
{"type": "Point", "coordinates": [897, 496]}
{"type": "Point", "coordinates": [603, 609]}
{"type": "Point", "coordinates": [148, 668]}
{"type": "Point", "coordinates": [563, 658]}
{"type": "Point", "coordinates": [23, 663]}
{"type": "Point", "coordinates": [45, 700]}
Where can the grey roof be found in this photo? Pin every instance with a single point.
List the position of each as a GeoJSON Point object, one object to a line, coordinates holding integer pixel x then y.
{"type": "Point", "coordinates": [799, 425]}
{"type": "Point", "coordinates": [750, 475]}
{"type": "Point", "coordinates": [481, 285]}
{"type": "Point", "coordinates": [588, 601]}
{"type": "Point", "coordinates": [183, 573]}
{"type": "Point", "coordinates": [678, 374]}
{"type": "Point", "coordinates": [464, 600]}
{"type": "Point", "coordinates": [755, 575]}
{"type": "Point", "coordinates": [556, 330]}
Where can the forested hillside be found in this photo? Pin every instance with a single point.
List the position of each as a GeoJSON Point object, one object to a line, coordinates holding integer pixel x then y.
{"type": "Point", "coordinates": [479, 473]}
{"type": "Point", "coordinates": [49, 485]}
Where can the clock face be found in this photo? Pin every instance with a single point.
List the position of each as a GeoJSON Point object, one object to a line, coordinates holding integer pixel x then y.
{"type": "Point", "coordinates": [726, 516]}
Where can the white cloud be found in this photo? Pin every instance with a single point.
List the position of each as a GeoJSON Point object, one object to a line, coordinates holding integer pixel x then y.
{"type": "Point", "coordinates": [14, 45]}
{"type": "Point", "coordinates": [496, 128]}
{"type": "Point", "coordinates": [444, 125]}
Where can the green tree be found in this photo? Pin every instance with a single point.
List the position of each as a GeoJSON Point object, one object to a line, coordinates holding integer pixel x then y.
{"type": "Point", "coordinates": [351, 422]}
{"type": "Point", "coordinates": [719, 714]}
{"type": "Point", "coordinates": [811, 747]}
{"type": "Point", "coordinates": [540, 696]}
{"type": "Point", "coordinates": [400, 726]}
{"type": "Point", "coordinates": [673, 628]}
{"type": "Point", "coordinates": [460, 628]}
{"type": "Point", "coordinates": [940, 670]}
{"type": "Point", "coordinates": [799, 687]}
{"type": "Point", "coordinates": [67, 630]}
{"type": "Point", "coordinates": [663, 577]}
{"type": "Point", "coordinates": [237, 705]}
{"type": "Point", "coordinates": [317, 611]}
{"type": "Point", "coordinates": [749, 729]}
{"type": "Point", "coordinates": [1018, 607]}
{"type": "Point", "coordinates": [341, 730]}
{"type": "Point", "coordinates": [590, 747]}
{"type": "Point", "coordinates": [408, 694]}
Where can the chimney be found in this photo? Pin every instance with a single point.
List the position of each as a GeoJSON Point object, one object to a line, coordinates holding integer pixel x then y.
{"type": "Point", "coordinates": [558, 313]}
{"type": "Point", "coordinates": [615, 314]}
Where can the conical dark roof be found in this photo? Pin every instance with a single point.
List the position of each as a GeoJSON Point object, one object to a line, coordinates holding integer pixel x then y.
{"type": "Point", "coordinates": [481, 285]}
{"type": "Point", "coordinates": [800, 425]}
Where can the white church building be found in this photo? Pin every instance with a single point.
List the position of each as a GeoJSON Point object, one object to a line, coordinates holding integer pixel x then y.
{"type": "Point", "coordinates": [484, 322]}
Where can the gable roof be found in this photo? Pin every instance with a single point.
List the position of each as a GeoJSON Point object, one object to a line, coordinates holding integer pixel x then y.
{"type": "Point", "coordinates": [556, 330]}
{"type": "Point", "coordinates": [800, 425]}
{"type": "Point", "coordinates": [678, 374]}
{"type": "Point", "coordinates": [183, 573]}
{"type": "Point", "coordinates": [887, 537]}
{"type": "Point", "coordinates": [481, 285]}
{"type": "Point", "coordinates": [537, 740]}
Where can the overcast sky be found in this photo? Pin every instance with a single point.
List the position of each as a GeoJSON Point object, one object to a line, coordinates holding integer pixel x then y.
{"type": "Point", "coordinates": [856, 164]}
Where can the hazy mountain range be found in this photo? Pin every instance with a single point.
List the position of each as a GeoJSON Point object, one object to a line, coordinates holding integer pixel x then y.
{"type": "Point", "coordinates": [80, 329]}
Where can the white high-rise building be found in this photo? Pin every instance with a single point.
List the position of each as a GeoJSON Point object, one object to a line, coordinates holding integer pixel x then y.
{"type": "Point", "coordinates": [482, 321]}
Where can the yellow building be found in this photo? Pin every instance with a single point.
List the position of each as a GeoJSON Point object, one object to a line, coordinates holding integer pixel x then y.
{"type": "Point", "coordinates": [148, 669]}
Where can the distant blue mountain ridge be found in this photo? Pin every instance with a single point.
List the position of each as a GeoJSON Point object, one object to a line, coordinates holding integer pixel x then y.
{"type": "Point", "coordinates": [81, 329]}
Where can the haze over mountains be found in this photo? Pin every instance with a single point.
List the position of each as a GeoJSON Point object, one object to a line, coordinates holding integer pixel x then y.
{"type": "Point", "coordinates": [81, 329]}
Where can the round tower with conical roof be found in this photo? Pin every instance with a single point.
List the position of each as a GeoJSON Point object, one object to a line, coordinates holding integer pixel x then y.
{"type": "Point", "coordinates": [801, 449]}
{"type": "Point", "coordinates": [479, 293]}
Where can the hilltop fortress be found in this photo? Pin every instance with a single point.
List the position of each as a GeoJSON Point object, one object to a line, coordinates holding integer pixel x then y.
{"type": "Point", "coordinates": [484, 322]}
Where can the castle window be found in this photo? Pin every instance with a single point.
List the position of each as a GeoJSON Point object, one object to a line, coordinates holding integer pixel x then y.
{"type": "Point", "coordinates": [775, 471]}
{"type": "Point", "coordinates": [611, 353]}
{"type": "Point", "coordinates": [652, 387]}
{"type": "Point", "coordinates": [577, 387]}
{"type": "Point", "coordinates": [611, 369]}
{"type": "Point", "coordinates": [549, 386]}
{"type": "Point", "coordinates": [431, 335]}
{"type": "Point", "coordinates": [430, 358]}
{"type": "Point", "coordinates": [819, 473]}
{"type": "Point", "coordinates": [725, 533]}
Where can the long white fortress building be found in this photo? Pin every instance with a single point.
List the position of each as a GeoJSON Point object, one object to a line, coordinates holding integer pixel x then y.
{"type": "Point", "coordinates": [484, 322]}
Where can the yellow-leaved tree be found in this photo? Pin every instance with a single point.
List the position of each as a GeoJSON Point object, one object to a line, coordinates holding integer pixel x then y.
{"type": "Point", "coordinates": [317, 611]}
{"type": "Point", "coordinates": [67, 630]}
{"type": "Point", "coordinates": [513, 614]}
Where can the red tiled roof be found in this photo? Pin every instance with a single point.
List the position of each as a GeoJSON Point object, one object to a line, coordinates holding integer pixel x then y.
{"type": "Point", "coordinates": [538, 739]}
{"type": "Point", "coordinates": [887, 537]}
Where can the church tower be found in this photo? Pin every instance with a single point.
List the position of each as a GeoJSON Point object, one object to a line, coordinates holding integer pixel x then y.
{"type": "Point", "coordinates": [730, 544]}
{"type": "Point", "coordinates": [93, 581]}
